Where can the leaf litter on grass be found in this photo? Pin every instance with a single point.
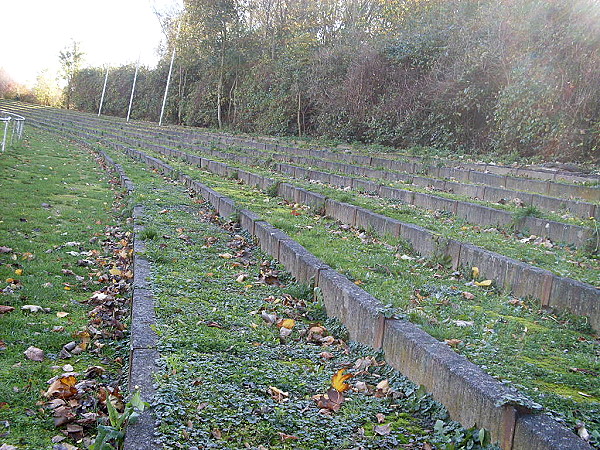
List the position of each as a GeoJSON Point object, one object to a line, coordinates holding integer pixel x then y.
{"type": "Point", "coordinates": [362, 259]}
{"type": "Point", "coordinates": [245, 384]}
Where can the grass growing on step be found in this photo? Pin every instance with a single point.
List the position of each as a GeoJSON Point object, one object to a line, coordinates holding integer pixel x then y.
{"type": "Point", "coordinates": [221, 362]}
{"type": "Point", "coordinates": [493, 330]}
{"type": "Point", "coordinates": [562, 260]}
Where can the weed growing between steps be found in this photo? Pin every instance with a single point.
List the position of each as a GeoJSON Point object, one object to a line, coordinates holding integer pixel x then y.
{"type": "Point", "coordinates": [551, 358]}
{"type": "Point", "coordinates": [560, 259]}
{"type": "Point", "coordinates": [230, 378]}
{"type": "Point", "coordinates": [59, 227]}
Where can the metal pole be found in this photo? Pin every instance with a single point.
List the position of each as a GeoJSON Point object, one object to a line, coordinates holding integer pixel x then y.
{"type": "Point", "coordinates": [162, 110]}
{"type": "Point", "coordinates": [103, 91]}
{"type": "Point", "coordinates": [133, 89]}
{"type": "Point", "coordinates": [5, 131]}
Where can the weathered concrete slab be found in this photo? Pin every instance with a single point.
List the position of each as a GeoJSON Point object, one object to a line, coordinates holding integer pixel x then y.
{"type": "Point", "coordinates": [577, 297]}
{"type": "Point", "coordinates": [355, 308]}
{"type": "Point", "coordinates": [540, 432]}
{"type": "Point", "coordinates": [421, 240]}
{"type": "Point", "coordinates": [450, 378]}
{"type": "Point", "coordinates": [342, 212]}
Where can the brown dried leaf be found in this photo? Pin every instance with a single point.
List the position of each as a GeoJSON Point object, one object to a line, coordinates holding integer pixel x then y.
{"type": "Point", "coordinates": [63, 387]}
{"type": "Point", "coordinates": [452, 342]}
{"type": "Point", "coordinates": [332, 400]}
{"type": "Point", "coordinates": [34, 354]}
{"type": "Point", "coordinates": [6, 309]}
{"type": "Point", "coordinates": [277, 394]}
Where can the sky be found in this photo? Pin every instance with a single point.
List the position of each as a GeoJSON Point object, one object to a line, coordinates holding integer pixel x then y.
{"type": "Point", "coordinates": [110, 32]}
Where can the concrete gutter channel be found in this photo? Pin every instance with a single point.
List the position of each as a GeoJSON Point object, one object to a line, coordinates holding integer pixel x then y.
{"type": "Point", "coordinates": [471, 212]}
{"type": "Point", "coordinates": [143, 339]}
{"type": "Point", "coordinates": [471, 396]}
{"type": "Point", "coordinates": [560, 293]}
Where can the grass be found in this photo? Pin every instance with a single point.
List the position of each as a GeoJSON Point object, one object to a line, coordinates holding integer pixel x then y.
{"type": "Point", "coordinates": [506, 336]}
{"type": "Point", "coordinates": [510, 338]}
{"type": "Point", "coordinates": [54, 199]}
{"type": "Point", "coordinates": [560, 259]}
{"type": "Point", "coordinates": [220, 361]}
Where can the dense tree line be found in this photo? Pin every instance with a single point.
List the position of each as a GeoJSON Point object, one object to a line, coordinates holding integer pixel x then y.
{"type": "Point", "coordinates": [510, 76]}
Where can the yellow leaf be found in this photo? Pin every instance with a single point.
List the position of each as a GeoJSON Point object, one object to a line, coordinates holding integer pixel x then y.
{"type": "Point", "coordinates": [19, 272]}
{"type": "Point", "coordinates": [475, 273]}
{"type": "Point", "coordinates": [483, 283]}
{"type": "Point", "coordinates": [338, 381]}
{"type": "Point", "coordinates": [115, 271]}
{"type": "Point", "coordinates": [287, 323]}
{"type": "Point", "coordinates": [62, 314]}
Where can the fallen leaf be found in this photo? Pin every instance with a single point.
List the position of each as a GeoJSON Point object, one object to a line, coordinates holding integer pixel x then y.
{"type": "Point", "coordinates": [332, 400]}
{"type": "Point", "coordinates": [34, 354]}
{"type": "Point", "coordinates": [19, 272]}
{"type": "Point", "coordinates": [585, 371]}
{"type": "Point", "coordinates": [284, 332]}
{"type": "Point", "coordinates": [114, 271]}
{"type": "Point", "coordinates": [269, 318]}
{"type": "Point", "coordinates": [338, 381]}
{"type": "Point", "coordinates": [383, 388]}
{"type": "Point", "coordinates": [225, 255]}
{"type": "Point", "coordinates": [452, 342]}
{"type": "Point", "coordinates": [463, 323]}
{"type": "Point", "coordinates": [361, 386]}
{"type": "Point", "coordinates": [287, 323]}
{"type": "Point", "coordinates": [8, 447]}
{"type": "Point", "coordinates": [326, 355]}
{"type": "Point", "coordinates": [62, 387]}
{"type": "Point", "coordinates": [380, 418]}
{"type": "Point", "coordinates": [285, 437]}
{"type": "Point", "coordinates": [483, 283]}
{"type": "Point", "coordinates": [62, 314]}
{"type": "Point", "coordinates": [382, 430]}
{"type": "Point", "coordinates": [277, 394]}
{"type": "Point", "coordinates": [241, 278]}
{"type": "Point", "coordinates": [5, 249]}
{"type": "Point", "coordinates": [475, 273]}
{"type": "Point", "coordinates": [32, 308]}
{"type": "Point", "coordinates": [468, 295]}
{"type": "Point", "coordinates": [6, 309]}
{"type": "Point", "coordinates": [582, 432]}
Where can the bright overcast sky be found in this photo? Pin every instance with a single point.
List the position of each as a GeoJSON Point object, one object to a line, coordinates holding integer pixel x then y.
{"type": "Point", "coordinates": [114, 32]}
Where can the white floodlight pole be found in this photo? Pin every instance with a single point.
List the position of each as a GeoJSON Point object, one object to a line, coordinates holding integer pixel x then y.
{"type": "Point", "coordinates": [162, 110]}
{"type": "Point", "coordinates": [103, 91]}
{"type": "Point", "coordinates": [137, 66]}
